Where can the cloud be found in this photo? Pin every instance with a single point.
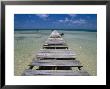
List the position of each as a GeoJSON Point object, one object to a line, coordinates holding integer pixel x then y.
{"type": "Point", "coordinates": [64, 20]}
{"type": "Point", "coordinates": [43, 16]}
{"type": "Point", "coordinates": [72, 21]}
{"type": "Point", "coordinates": [80, 21]}
{"type": "Point", "coordinates": [60, 21]}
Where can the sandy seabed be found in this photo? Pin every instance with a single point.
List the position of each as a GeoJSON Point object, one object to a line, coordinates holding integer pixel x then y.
{"type": "Point", "coordinates": [27, 43]}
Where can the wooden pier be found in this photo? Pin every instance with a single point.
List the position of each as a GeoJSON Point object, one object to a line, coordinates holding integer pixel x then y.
{"type": "Point", "coordinates": [55, 59]}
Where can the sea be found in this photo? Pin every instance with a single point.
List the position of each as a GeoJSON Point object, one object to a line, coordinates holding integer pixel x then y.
{"type": "Point", "coordinates": [29, 41]}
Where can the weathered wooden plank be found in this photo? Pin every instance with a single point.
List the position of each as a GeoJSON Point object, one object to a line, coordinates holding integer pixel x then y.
{"type": "Point", "coordinates": [45, 55]}
{"type": "Point", "coordinates": [55, 73]}
{"type": "Point", "coordinates": [50, 46]}
{"type": "Point", "coordinates": [56, 64]}
{"type": "Point", "coordinates": [55, 46]}
{"type": "Point", "coordinates": [55, 41]}
{"type": "Point", "coordinates": [56, 53]}
{"type": "Point", "coordinates": [67, 51]}
{"type": "Point", "coordinates": [60, 45]}
{"type": "Point", "coordinates": [55, 59]}
{"type": "Point", "coordinates": [55, 38]}
{"type": "Point", "coordinates": [71, 63]}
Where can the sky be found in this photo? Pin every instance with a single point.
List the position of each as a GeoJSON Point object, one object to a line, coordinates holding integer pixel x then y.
{"type": "Point", "coordinates": [55, 21]}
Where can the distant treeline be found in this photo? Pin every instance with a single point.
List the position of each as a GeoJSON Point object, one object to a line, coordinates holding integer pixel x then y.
{"type": "Point", "coordinates": [89, 30]}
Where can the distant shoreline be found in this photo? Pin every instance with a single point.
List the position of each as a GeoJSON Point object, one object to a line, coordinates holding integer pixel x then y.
{"type": "Point", "coordinates": [86, 30]}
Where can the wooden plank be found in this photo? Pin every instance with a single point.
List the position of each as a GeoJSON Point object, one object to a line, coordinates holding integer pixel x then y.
{"type": "Point", "coordinates": [50, 55]}
{"type": "Point", "coordinates": [30, 72]}
{"type": "Point", "coordinates": [55, 45]}
{"type": "Point", "coordinates": [66, 51]}
{"type": "Point", "coordinates": [55, 38]}
{"type": "Point", "coordinates": [54, 42]}
{"type": "Point", "coordinates": [62, 46]}
{"type": "Point", "coordinates": [72, 63]}
{"type": "Point", "coordinates": [55, 59]}
{"type": "Point", "coordinates": [56, 53]}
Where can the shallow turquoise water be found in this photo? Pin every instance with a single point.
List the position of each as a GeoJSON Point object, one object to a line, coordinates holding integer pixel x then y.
{"type": "Point", "coordinates": [27, 43]}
